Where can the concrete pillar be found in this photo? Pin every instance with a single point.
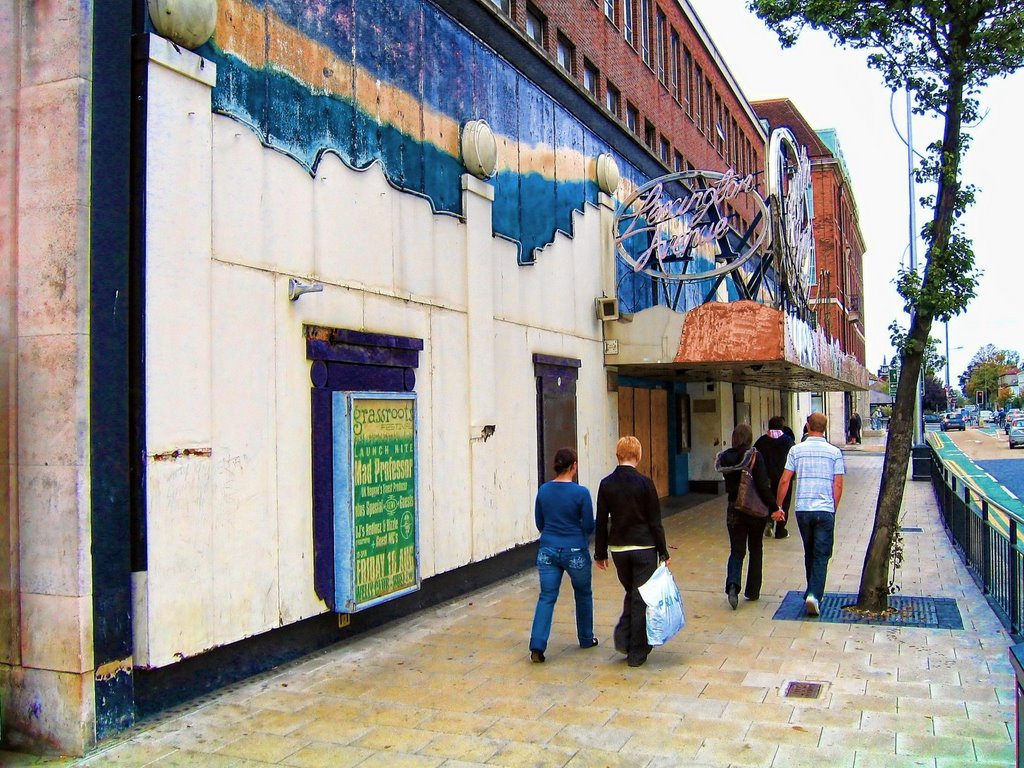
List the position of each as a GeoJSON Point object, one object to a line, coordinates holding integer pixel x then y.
{"type": "Point", "coordinates": [46, 628]}
{"type": "Point", "coordinates": [477, 203]}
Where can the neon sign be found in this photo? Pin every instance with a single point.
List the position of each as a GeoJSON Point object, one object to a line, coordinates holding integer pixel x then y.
{"type": "Point", "coordinates": [789, 182]}
{"type": "Point", "coordinates": [673, 237]}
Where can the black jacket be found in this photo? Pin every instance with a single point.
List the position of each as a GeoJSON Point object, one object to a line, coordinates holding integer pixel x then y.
{"type": "Point", "coordinates": [731, 460]}
{"type": "Point", "coordinates": [628, 513]}
{"type": "Point", "coordinates": [774, 451]}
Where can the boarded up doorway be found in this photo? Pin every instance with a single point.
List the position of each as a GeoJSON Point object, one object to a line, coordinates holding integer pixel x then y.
{"type": "Point", "coordinates": [644, 413]}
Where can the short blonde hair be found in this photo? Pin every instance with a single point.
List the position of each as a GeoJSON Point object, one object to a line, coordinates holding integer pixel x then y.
{"type": "Point", "coordinates": [628, 449]}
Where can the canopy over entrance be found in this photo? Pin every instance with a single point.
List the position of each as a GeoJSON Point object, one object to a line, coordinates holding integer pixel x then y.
{"type": "Point", "coordinates": [742, 342]}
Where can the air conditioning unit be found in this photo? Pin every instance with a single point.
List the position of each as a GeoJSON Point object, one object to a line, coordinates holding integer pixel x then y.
{"type": "Point", "coordinates": [607, 309]}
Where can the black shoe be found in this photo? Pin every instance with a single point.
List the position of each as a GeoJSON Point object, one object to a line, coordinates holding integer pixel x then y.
{"type": "Point", "coordinates": [636, 662]}
{"type": "Point", "coordinates": [536, 657]}
{"type": "Point", "coordinates": [753, 599]}
{"type": "Point", "coordinates": [733, 593]}
{"type": "Point", "coordinates": [591, 644]}
{"type": "Point", "coordinates": [783, 535]}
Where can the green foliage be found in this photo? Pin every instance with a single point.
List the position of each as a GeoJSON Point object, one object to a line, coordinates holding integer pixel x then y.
{"type": "Point", "coordinates": [943, 52]}
{"type": "Point", "coordinates": [933, 360]}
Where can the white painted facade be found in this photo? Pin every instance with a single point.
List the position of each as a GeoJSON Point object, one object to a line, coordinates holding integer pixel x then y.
{"type": "Point", "coordinates": [229, 492]}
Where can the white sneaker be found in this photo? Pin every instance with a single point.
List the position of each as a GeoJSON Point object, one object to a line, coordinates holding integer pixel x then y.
{"type": "Point", "coordinates": [811, 606]}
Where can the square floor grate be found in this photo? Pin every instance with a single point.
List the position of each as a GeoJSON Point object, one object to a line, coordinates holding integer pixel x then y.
{"type": "Point", "coordinates": [803, 690]}
{"type": "Point", "coordinates": [907, 611]}
{"type": "Point", "coordinates": [911, 529]}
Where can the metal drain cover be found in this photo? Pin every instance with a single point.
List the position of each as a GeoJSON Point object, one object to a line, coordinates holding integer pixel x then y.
{"type": "Point", "coordinates": [803, 690]}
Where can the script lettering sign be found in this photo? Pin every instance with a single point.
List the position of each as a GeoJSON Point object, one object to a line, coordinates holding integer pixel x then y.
{"type": "Point", "coordinates": [677, 231]}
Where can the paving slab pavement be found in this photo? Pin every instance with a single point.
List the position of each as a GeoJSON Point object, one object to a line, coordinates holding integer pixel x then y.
{"type": "Point", "coordinates": [453, 686]}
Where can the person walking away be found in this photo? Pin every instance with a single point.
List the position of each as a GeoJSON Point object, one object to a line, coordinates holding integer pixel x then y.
{"type": "Point", "coordinates": [746, 532]}
{"type": "Point", "coordinates": [774, 447]}
{"type": "Point", "coordinates": [565, 518]}
{"type": "Point", "coordinates": [629, 527]}
{"type": "Point", "coordinates": [819, 467]}
{"type": "Point", "coordinates": [855, 428]}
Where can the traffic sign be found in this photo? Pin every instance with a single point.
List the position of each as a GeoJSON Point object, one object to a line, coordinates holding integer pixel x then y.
{"type": "Point", "coordinates": [894, 380]}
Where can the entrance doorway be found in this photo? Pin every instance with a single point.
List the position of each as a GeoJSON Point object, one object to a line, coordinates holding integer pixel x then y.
{"type": "Point", "coordinates": [644, 413]}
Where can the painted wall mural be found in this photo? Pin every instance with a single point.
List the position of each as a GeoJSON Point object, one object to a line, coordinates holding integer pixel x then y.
{"type": "Point", "coordinates": [391, 82]}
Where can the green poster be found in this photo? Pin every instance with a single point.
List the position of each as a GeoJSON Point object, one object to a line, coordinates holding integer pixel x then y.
{"type": "Point", "coordinates": [383, 497]}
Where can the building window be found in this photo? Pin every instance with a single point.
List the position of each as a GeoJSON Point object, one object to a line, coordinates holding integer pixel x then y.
{"type": "Point", "coordinates": [688, 72]}
{"type": "Point", "coordinates": [535, 23]}
{"type": "Point", "coordinates": [590, 78]}
{"type": "Point", "coordinates": [661, 41]}
{"type": "Point", "coordinates": [645, 31]}
{"type": "Point", "coordinates": [698, 106]}
{"type": "Point", "coordinates": [674, 64]}
{"type": "Point", "coordinates": [664, 150]}
{"type": "Point", "coordinates": [627, 21]}
{"type": "Point", "coordinates": [649, 134]}
{"type": "Point", "coordinates": [735, 132]}
{"type": "Point", "coordinates": [505, 5]}
{"type": "Point", "coordinates": [678, 165]}
{"type": "Point", "coordinates": [719, 133]}
{"type": "Point", "coordinates": [609, 10]}
{"type": "Point", "coordinates": [632, 117]}
{"type": "Point", "coordinates": [612, 99]}
{"type": "Point", "coordinates": [708, 122]}
{"type": "Point", "coordinates": [564, 54]}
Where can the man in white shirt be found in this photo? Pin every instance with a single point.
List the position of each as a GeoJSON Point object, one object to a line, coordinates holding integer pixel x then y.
{"type": "Point", "coordinates": [819, 465]}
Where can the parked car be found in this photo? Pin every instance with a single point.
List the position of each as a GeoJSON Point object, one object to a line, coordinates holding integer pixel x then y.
{"type": "Point", "coordinates": [933, 418]}
{"type": "Point", "coordinates": [953, 421]}
{"type": "Point", "coordinates": [1011, 415]}
{"type": "Point", "coordinates": [984, 417]}
{"type": "Point", "coordinates": [1016, 433]}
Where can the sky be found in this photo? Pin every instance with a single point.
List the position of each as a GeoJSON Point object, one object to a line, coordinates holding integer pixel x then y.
{"type": "Point", "coordinates": [834, 88]}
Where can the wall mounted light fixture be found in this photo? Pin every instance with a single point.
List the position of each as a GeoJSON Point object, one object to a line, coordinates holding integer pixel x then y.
{"type": "Point", "coordinates": [298, 287]}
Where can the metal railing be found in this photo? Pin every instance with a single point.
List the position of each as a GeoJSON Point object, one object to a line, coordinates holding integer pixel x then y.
{"type": "Point", "coordinates": [988, 537]}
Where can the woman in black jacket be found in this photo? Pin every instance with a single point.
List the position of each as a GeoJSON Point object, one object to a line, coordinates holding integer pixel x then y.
{"type": "Point", "coordinates": [746, 532]}
{"type": "Point", "coordinates": [629, 527]}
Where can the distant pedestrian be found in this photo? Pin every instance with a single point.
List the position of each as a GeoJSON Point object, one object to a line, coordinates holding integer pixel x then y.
{"type": "Point", "coordinates": [854, 428]}
{"type": "Point", "coordinates": [629, 526]}
{"type": "Point", "coordinates": [746, 532]}
{"type": "Point", "coordinates": [564, 515]}
{"type": "Point", "coordinates": [876, 419]}
{"type": "Point", "coordinates": [774, 446]}
{"type": "Point", "coordinates": [819, 467]}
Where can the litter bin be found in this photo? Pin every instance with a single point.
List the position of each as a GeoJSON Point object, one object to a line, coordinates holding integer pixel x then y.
{"type": "Point", "coordinates": [921, 463]}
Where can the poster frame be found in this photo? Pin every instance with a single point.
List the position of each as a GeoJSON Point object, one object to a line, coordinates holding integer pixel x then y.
{"type": "Point", "coordinates": [344, 500]}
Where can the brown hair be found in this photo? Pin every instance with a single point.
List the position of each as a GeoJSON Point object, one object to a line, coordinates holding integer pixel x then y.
{"type": "Point", "coordinates": [816, 422]}
{"type": "Point", "coordinates": [628, 449]}
{"type": "Point", "coordinates": [564, 459]}
{"type": "Point", "coordinates": [742, 437]}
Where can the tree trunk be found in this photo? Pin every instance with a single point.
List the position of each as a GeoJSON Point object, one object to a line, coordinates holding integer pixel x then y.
{"type": "Point", "coordinates": [873, 595]}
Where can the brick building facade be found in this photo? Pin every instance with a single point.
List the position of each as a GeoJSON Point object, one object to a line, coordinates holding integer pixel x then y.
{"type": "Point", "coordinates": [653, 68]}
{"type": "Point", "coordinates": [838, 290]}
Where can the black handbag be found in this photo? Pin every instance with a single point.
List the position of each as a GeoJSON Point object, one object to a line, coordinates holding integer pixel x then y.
{"type": "Point", "coordinates": [748, 501]}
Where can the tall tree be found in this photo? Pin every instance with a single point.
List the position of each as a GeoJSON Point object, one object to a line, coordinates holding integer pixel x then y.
{"type": "Point", "coordinates": [944, 52]}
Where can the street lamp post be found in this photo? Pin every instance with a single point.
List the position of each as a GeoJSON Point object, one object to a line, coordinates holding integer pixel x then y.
{"type": "Point", "coordinates": [918, 423]}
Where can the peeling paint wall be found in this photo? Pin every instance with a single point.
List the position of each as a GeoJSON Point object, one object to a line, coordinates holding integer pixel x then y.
{"type": "Point", "coordinates": [229, 493]}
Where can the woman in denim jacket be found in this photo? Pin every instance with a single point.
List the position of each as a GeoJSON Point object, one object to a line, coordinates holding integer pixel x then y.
{"type": "Point", "coordinates": [565, 519]}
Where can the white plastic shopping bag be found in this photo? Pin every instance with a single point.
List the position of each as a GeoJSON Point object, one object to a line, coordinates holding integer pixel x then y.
{"type": "Point", "coordinates": [664, 606]}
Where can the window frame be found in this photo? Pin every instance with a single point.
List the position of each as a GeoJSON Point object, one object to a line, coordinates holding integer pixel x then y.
{"type": "Point", "coordinates": [564, 46]}
{"type": "Point", "coordinates": [535, 15]}
{"type": "Point", "coordinates": [612, 94]}
{"type": "Point", "coordinates": [589, 68]}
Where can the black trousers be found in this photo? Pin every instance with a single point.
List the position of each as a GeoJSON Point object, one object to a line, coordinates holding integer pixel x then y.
{"type": "Point", "coordinates": [634, 568]}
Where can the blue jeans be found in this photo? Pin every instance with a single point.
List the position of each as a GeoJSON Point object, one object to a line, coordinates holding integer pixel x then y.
{"type": "Point", "coordinates": [552, 562]}
{"type": "Point", "coordinates": [817, 529]}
